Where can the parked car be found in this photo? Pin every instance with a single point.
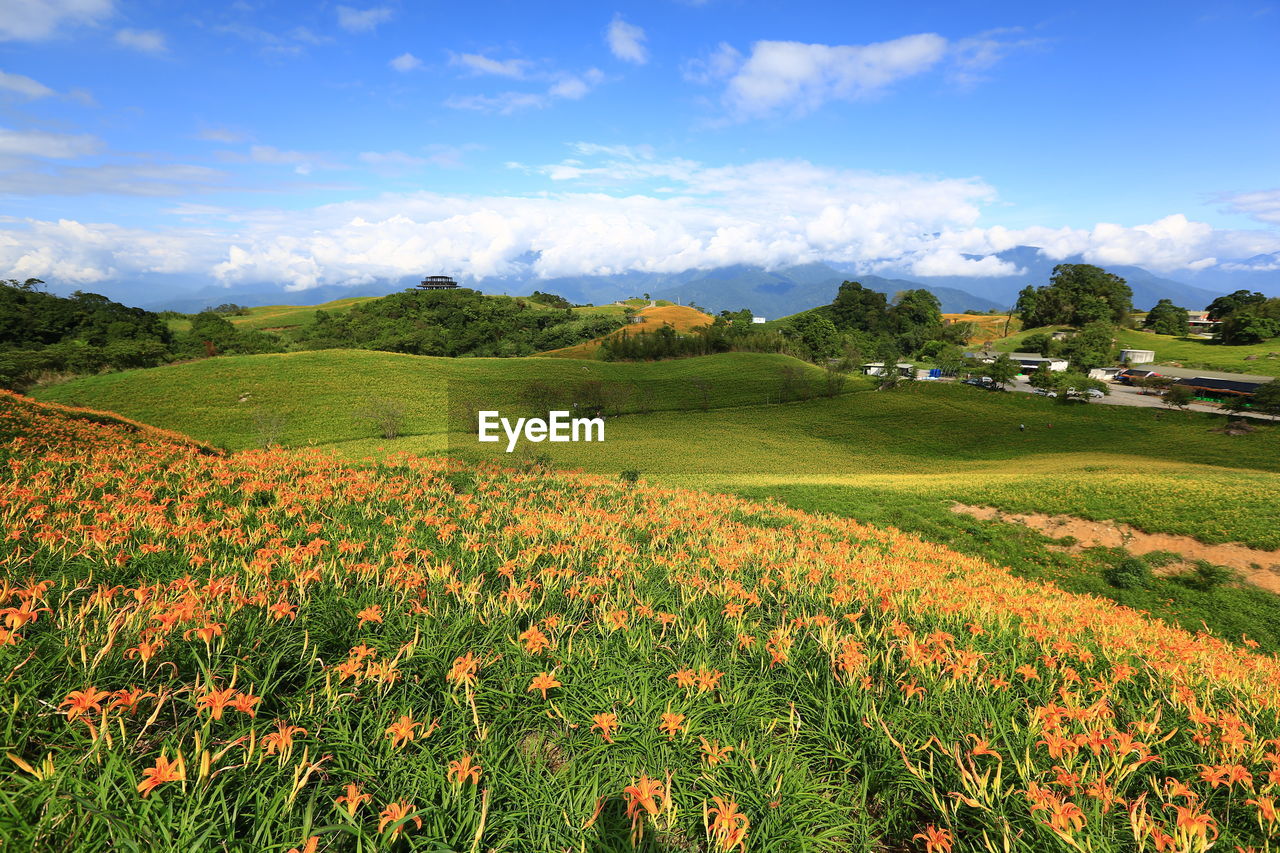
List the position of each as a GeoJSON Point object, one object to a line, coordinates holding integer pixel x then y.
{"type": "Point", "coordinates": [1096, 393]}
{"type": "Point", "coordinates": [1045, 392]}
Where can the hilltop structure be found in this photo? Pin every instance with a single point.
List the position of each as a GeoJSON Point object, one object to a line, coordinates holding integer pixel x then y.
{"type": "Point", "coordinates": [437, 282]}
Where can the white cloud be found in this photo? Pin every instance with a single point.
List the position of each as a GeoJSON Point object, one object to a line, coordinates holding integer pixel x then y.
{"type": "Point", "coordinates": [609, 209]}
{"type": "Point", "coordinates": [39, 143]}
{"type": "Point", "coordinates": [24, 86]}
{"type": "Point", "coordinates": [788, 75]}
{"type": "Point", "coordinates": [1262, 205]}
{"type": "Point", "coordinates": [405, 63]}
{"type": "Point", "coordinates": [35, 20]}
{"type": "Point", "coordinates": [480, 64]}
{"type": "Point", "coordinates": [302, 162]}
{"type": "Point", "coordinates": [971, 57]}
{"type": "Point", "coordinates": [950, 262]}
{"type": "Point", "coordinates": [720, 65]}
{"type": "Point", "coordinates": [626, 41]}
{"type": "Point", "coordinates": [362, 20]}
{"type": "Point", "coordinates": [565, 86]}
{"type": "Point", "coordinates": [146, 41]}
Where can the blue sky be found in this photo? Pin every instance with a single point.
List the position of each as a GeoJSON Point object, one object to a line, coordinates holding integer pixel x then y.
{"type": "Point", "coordinates": [312, 144]}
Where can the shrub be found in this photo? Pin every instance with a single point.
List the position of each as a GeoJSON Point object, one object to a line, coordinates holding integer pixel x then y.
{"type": "Point", "coordinates": [630, 475]}
{"type": "Point", "coordinates": [1128, 573]}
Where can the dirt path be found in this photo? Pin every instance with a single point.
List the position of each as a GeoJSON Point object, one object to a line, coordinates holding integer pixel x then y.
{"type": "Point", "coordinates": [1258, 567]}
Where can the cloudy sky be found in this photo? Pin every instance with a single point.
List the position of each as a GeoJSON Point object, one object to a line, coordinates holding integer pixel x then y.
{"type": "Point", "coordinates": [323, 143]}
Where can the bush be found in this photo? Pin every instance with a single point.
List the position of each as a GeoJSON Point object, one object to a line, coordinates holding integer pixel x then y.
{"type": "Point", "coordinates": [1129, 573]}
{"type": "Point", "coordinates": [1208, 576]}
{"type": "Point", "coordinates": [630, 475]}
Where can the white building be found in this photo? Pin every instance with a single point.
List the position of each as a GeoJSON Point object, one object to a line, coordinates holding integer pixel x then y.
{"type": "Point", "coordinates": [758, 320]}
{"type": "Point", "coordinates": [1138, 356]}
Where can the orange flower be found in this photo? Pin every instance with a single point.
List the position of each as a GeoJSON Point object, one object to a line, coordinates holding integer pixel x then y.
{"type": "Point", "coordinates": [935, 840]}
{"type": "Point", "coordinates": [671, 724]}
{"type": "Point", "coordinates": [642, 798]}
{"type": "Point", "coordinates": [725, 824]}
{"type": "Point", "coordinates": [401, 731]}
{"type": "Point", "coordinates": [464, 670]}
{"type": "Point", "coordinates": [163, 771]}
{"type": "Point", "coordinates": [463, 769]}
{"type": "Point", "coordinates": [708, 679]}
{"type": "Point", "coordinates": [244, 703]}
{"type": "Point", "coordinates": [352, 799]}
{"type": "Point", "coordinates": [544, 682]}
{"type": "Point", "coordinates": [373, 613]}
{"type": "Point", "coordinates": [82, 702]}
{"type": "Point", "coordinates": [281, 740]}
{"type": "Point", "coordinates": [534, 641]}
{"type": "Point", "coordinates": [714, 752]}
{"type": "Point", "coordinates": [215, 701]}
{"type": "Point", "coordinates": [683, 678]}
{"type": "Point", "coordinates": [606, 723]}
{"type": "Point", "coordinates": [981, 747]}
{"type": "Point", "coordinates": [395, 812]}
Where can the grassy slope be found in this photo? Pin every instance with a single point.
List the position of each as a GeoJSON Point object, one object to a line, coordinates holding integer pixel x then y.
{"type": "Point", "coordinates": [1188, 352]}
{"type": "Point", "coordinates": [319, 395]}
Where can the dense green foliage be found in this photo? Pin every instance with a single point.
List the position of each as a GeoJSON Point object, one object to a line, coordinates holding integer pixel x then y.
{"type": "Point", "coordinates": [731, 331]}
{"type": "Point", "coordinates": [1167, 319]}
{"type": "Point", "coordinates": [1077, 294]}
{"type": "Point", "coordinates": [452, 323]}
{"type": "Point", "coordinates": [84, 333]}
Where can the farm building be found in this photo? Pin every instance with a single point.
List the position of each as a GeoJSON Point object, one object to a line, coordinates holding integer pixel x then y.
{"type": "Point", "coordinates": [1138, 356]}
{"type": "Point", "coordinates": [1199, 322]}
{"type": "Point", "coordinates": [1031, 361]}
{"type": "Point", "coordinates": [758, 320]}
{"type": "Point", "coordinates": [1106, 374]}
{"type": "Point", "coordinates": [1212, 388]}
{"type": "Point", "coordinates": [876, 368]}
{"type": "Point", "coordinates": [1128, 375]}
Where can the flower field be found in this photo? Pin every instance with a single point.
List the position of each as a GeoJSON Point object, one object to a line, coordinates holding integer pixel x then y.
{"type": "Point", "coordinates": [279, 650]}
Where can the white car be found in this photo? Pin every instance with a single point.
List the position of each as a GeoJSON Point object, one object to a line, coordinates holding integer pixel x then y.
{"type": "Point", "coordinates": [1045, 393]}
{"type": "Point", "coordinates": [1096, 393]}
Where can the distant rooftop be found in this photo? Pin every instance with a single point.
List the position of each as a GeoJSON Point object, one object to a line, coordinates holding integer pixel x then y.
{"type": "Point", "coordinates": [437, 282]}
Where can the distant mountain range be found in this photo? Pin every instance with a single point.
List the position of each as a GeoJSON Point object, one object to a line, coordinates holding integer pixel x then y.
{"type": "Point", "coordinates": [769, 293]}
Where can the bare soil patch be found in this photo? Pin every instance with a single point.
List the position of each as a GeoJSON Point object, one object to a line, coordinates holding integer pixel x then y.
{"type": "Point", "coordinates": [1258, 567]}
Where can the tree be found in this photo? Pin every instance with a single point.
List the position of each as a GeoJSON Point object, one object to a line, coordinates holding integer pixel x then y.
{"type": "Point", "coordinates": [1077, 295]}
{"type": "Point", "coordinates": [817, 334]}
{"type": "Point", "coordinates": [1003, 370]}
{"type": "Point", "coordinates": [1091, 347]}
{"type": "Point", "coordinates": [1178, 397]}
{"type": "Point", "coordinates": [1041, 342]}
{"type": "Point", "coordinates": [30, 285]}
{"type": "Point", "coordinates": [1168, 319]}
{"type": "Point", "coordinates": [1225, 306]}
{"type": "Point", "coordinates": [1043, 378]}
{"type": "Point", "coordinates": [1267, 398]}
{"type": "Point", "coordinates": [1076, 386]}
{"type": "Point", "coordinates": [1248, 325]}
{"type": "Point", "coordinates": [857, 307]}
{"type": "Point", "coordinates": [915, 317]}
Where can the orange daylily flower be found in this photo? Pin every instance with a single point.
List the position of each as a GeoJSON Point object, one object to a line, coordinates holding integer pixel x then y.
{"type": "Point", "coordinates": [606, 723]}
{"type": "Point", "coordinates": [352, 799]}
{"type": "Point", "coordinates": [402, 731]}
{"type": "Point", "coordinates": [544, 682]}
{"type": "Point", "coordinates": [642, 798]}
{"type": "Point", "coordinates": [163, 771]}
{"type": "Point", "coordinates": [464, 670]}
{"type": "Point", "coordinates": [309, 847]}
{"type": "Point", "coordinates": [281, 740]}
{"type": "Point", "coordinates": [215, 701]}
{"type": "Point", "coordinates": [935, 840]}
{"type": "Point", "coordinates": [83, 702]}
{"type": "Point", "coordinates": [671, 724]}
{"type": "Point", "coordinates": [534, 640]}
{"type": "Point", "coordinates": [683, 678]}
{"type": "Point", "coordinates": [398, 811]}
{"type": "Point", "coordinates": [373, 613]}
{"type": "Point", "coordinates": [714, 752]}
{"type": "Point", "coordinates": [462, 769]}
{"type": "Point", "coordinates": [726, 826]}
